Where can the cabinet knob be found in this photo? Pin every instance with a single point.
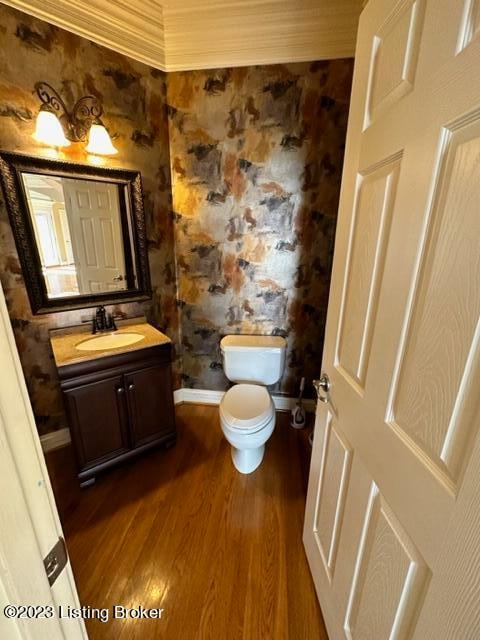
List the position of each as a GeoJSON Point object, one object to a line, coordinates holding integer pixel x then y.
{"type": "Point", "coordinates": [131, 387]}
{"type": "Point", "coordinates": [120, 390]}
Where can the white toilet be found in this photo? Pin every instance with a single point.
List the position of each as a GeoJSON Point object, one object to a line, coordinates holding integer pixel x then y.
{"type": "Point", "coordinates": [247, 412]}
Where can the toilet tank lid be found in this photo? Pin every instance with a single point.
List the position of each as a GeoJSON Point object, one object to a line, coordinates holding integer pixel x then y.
{"type": "Point", "coordinates": [238, 342]}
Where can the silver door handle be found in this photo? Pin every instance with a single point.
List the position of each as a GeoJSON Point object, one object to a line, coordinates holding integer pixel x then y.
{"type": "Point", "coordinates": [322, 387]}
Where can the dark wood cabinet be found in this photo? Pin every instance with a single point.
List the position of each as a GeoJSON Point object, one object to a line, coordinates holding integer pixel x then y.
{"type": "Point", "coordinates": [149, 396]}
{"type": "Point", "coordinates": [118, 406]}
{"type": "Point", "coordinates": [91, 405]}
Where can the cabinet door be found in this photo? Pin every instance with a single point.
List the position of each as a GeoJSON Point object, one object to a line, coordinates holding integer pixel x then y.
{"type": "Point", "coordinates": [150, 402]}
{"type": "Point", "coordinates": [98, 420]}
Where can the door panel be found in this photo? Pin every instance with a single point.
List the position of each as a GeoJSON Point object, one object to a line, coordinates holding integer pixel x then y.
{"type": "Point", "coordinates": [401, 520]}
{"type": "Point", "coordinates": [108, 242]}
{"type": "Point", "coordinates": [390, 578]}
{"type": "Point", "coordinates": [335, 476]}
{"type": "Point", "coordinates": [432, 405]}
{"type": "Point", "coordinates": [99, 403]}
{"type": "Point", "coordinates": [88, 243]}
{"type": "Point", "coordinates": [150, 402]}
{"type": "Point", "coordinates": [395, 51]}
{"type": "Point", "coordinates": [470, 25]}
{"type": "Point", "coordinates": [376, 197]}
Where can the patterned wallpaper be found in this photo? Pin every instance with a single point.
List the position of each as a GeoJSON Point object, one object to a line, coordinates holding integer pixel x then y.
{"type": "Point", "coordinates": [133, 96]}
{"type": "Point", "coordinates": [256, 157]}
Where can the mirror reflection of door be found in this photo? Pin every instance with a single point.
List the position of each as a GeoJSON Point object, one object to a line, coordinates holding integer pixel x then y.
{"type": "Point", "coordinates": [78, 231]}
{"type": "Point", "coordinates": [93, 213]}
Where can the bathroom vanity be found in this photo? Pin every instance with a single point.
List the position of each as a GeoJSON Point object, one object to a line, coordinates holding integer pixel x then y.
{"type": "Point", "coordinates": [80, 232]}
{"type": "Point", "coordinates": [118, 393]}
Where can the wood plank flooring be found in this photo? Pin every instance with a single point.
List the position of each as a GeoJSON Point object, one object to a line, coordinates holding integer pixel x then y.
{"type": "Point", "coordinates": [181, 529]}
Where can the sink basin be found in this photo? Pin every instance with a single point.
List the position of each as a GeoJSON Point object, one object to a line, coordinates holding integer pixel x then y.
{"type": "Point", "coordinates": [109, 341]}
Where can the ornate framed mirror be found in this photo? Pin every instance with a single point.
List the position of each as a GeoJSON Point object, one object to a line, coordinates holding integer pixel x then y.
{"type": "Point", "coordinates": [79, 231]}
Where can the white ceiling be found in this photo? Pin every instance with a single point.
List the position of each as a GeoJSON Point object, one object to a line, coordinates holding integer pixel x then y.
{"type": "Point", "coordinates": [174, 35]}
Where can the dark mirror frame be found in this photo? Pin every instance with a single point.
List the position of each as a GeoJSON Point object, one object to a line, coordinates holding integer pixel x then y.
{"type": "Point", "coordinates": [12, 165]}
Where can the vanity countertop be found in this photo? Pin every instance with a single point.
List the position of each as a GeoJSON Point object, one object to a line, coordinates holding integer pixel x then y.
{"type": "Point", "coordinates": [64, 341]}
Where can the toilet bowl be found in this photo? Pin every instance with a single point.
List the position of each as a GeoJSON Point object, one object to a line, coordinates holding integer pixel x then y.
{"type": "Point", "coordinates": [247, 412]}
{"type": "Point", "coordinates": [247, 418]}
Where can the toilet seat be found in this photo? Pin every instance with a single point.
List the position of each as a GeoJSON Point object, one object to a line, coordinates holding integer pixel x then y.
{"type": "Point", "coordinates": [246, 408]}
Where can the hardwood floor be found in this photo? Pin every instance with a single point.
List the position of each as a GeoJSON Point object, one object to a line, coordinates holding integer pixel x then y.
{"type": "Point", "coordinates": [181, 529]}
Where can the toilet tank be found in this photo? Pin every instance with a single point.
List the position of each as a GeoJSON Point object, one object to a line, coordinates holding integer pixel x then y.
{"type": "Point", "coordinates": [258, 359]}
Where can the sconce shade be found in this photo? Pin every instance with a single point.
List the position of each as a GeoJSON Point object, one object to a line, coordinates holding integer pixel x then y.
{"type": "Point", "coordinates": [48, 130]}
{"type": "Point", "coordinates": [99, 141]}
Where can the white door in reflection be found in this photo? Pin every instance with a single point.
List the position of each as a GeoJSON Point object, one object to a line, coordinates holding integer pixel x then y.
{"type": "Point", "coordinates": [93, 213]}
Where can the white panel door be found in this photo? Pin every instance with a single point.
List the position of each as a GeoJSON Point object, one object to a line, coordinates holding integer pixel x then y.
{"type": "Point", "coordinates": [29, 523]}
{"type": "Point", "coordinates": [392, 526]}
{"type": "Point", "coordinates": [93, 213]}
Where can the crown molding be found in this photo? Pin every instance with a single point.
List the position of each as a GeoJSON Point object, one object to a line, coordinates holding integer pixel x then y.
{"type": "Point", "coordinates": [133, 29]}
{"type": "Point", "coordinates": [206, 34]}
{"type": "Point", "coordinates": [210, 34]}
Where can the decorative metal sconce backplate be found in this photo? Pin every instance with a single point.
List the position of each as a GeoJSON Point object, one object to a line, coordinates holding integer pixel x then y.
{"type": "Point", "coordinates": [76, 123]}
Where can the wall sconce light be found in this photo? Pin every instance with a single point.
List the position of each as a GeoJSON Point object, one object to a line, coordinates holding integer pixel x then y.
{"type": "Point", "coordinates": [57, 127]}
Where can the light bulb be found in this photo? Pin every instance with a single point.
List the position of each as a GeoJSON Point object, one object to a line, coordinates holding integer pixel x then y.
{"type": "Point", "coordinates": [48, 130]}
{"type": "Point", "coordinates": [99, 141]}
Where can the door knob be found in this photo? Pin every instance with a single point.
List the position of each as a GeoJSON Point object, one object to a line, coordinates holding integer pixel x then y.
{"type": "Point", "coordinates": [118, 278]}
{"type": "Point", "coordinates": [322, 387]}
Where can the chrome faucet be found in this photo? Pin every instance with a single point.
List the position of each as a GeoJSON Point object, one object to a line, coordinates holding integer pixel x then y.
{"type": "Point", "coordinates": [103, 321]}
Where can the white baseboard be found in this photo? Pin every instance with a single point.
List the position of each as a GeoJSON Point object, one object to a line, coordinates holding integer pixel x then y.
{"type": "Point", "coordinates": [209, 396]}
{"type": "Point", "coordinates": [202, 396]}
{"type": "Point", "coordinates": [283, 403]}
{"type": "Point", "coordinates": [55, 439]}
{"type": "Point", "coordinates": [60, 438]}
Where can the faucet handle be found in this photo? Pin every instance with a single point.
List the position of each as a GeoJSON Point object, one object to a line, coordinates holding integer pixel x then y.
{"type": "Point", "coordinates": [91, 321]}
{"type": "Point", "coordinates": [110, 322]}
{"type": "Point", "coordinates": [100, 318]}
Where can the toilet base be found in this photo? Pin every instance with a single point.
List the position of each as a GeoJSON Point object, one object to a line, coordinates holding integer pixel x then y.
{"type": "Point", "coordinates": [247, 460]}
